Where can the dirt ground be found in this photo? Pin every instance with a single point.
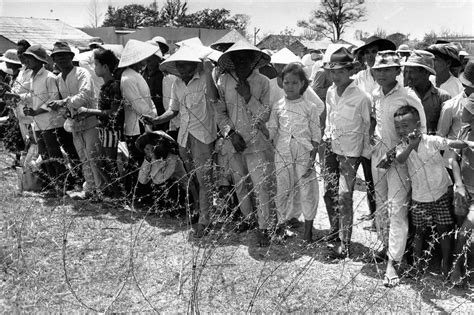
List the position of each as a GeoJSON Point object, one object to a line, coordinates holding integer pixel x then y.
{"type": "Point", "coordinates": [62, 255]}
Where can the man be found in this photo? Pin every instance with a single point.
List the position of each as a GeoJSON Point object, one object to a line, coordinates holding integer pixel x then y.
{"type": "Point", "coordinates": [77, 90]}
{"type": "Point", "coordinates": [418, 68]}
{"type": "Point", "coordinates": [446, 56]}
{"type": "Point", "coordinates": [241, 115]}
{"type": "Point", "coordinates": [197, 131]}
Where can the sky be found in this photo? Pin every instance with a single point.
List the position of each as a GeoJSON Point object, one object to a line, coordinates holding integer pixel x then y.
{"type": "Point", "coordinates": [415, 17]}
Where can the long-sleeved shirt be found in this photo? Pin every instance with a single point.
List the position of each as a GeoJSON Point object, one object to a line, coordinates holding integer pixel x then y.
{"type": "Point", "coordinates": [385, 106]}
{"type": "Point", "coordinates": [138, 101]}
{"type": "Point", "coordinates": [233, 113]}
{"type": "Point", "coordinates": [432, 102]}
{"type": "Point", "coordinates": [78, 90]}
{"type": "Point", "coordinates": [294, 120]}
{"type": "Point", "coordinates": [197, 115]}
{"type": "Point", "coordinates": [348, 121]}
{"type": "Point", "coordinates": [43, 89]}
{"type": "Point", "coordinates": [168, 81]}
{"type": "Point", "coordinates": [452, 85]}
{"type": "Point", "coordinates": [450, 124]}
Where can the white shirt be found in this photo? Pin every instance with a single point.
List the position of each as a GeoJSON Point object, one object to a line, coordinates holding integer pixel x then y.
{"type": "Point", "coordinates": [277, 93]}
{"type": "Point", "coordinates": [367, 83]}
{"type": "Point", "coordinates": [138, 101]}
{"type": "Point", "coordinates": [450, 124]}
{"type": "Point", "coordinates": [429, 178]}
{"type": "Point", "coordinates": [294, 120]}
{"type": "Point", "coordinates": [197, 115]}
{"type": "Point", "coordinates": [384, 108]}
{"type": "Point", "coordinates": [168, 81]}
{"type": "Point", "coordinates": [20, 86]}
{"type": "Point", "coordinates": [453, 86]}
{"type": "Point", "coordinates": [348, 121]}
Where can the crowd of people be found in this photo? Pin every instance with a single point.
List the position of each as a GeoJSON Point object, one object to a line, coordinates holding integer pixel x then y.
{"type": "Point", "coordinates": [251, 123]}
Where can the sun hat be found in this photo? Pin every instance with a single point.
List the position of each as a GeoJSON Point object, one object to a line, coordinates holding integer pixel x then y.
{"type": "Point", "coordinates": [37, 52]}
{"type": "Point", "coordinates": [61, 47]}
{"type": "Point", "coordinates": [184, 53]}
{"type": "Point", "coordinates": [136, 51]}
{"type": "Point", "coordinates": [226, 41]}
{"type": "Point", "coordinates": [340, 59]}
{"type": "Point", "coordinates": [95, 42]}
{"type": "Point", "coordinates": [194, 41]}
{"type": "Point", "coordinates": [446, 51]}
{"type": "Point", "coordinates": [463, 53]}
{"type": "Point", "coordinates": [11, 56]}
{"type": "Point", "coordinates": [152, 137]}
{"type": "Point", "coordinates": [215, 55]}
{"type": "Point", "coordinates": [403, 48]}
{"type": "Point", "coordinates": [382, 44]}
{"type": "Point", "coordinates": [421, 58]}
{"type": "Point", "coordinates": [284, 56]}
{"type": "Point", "coordinates": [161, 41]}
{"type": "Point", "coordinates": [467, 76]}
{"type": "Point", "coordinates": [261, 58]}
{"type": "Point", "coordinates": [386, 59]}
{"type": "Point", "coordinates": [331, 49]}
{"type": "Point", "coordinates": [4, 68]}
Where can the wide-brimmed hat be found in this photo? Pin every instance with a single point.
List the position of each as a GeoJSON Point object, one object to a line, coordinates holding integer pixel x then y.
{"type": "Point", "coordinates": [194, 41]}
{"type": "Point", "coordinates": [382, 44]}
{"type": "Point", "coordinates": [184, 53]}
{"type": "Point", "coordinates": [161, 41]}
{"type": "Point", "coordinates": [284, 56]}
{"type": "Point", "coordinates": [467, 76]}
{"type": "Point", "coordinates": [386, 59]}
{"type": "Point", "coordinates": [463, 53]}
{"type": "Point", "coordinates": [4, 68]}
{"type": "Point", "coordinates": [136, 51]}
{"type": "Point", "coordinates": [95, 42]}
{"type": "Point", "coordinates": [446, 51]}
{"type": "Point", "coordinates": [152, 137]}
{"type": "Point", "coordinates": [421, 58]}
{"type": "Point", "coordinates": [226, 41]}
{"type": "Point", "coordinates": [37, 52]}
{"type": "Point", "coordinates": [11, 56]}
{"type": "Point", "coordinates": [61, 47]}
{"type": "Point", "coordinates": [260, 59]}
{"type": "Point", "coordinates": [341, 58]}
{"type": "Point", "coordinates": [403, 48]}
{"type": "Point", "coordinates": [214, 55]}
{"type": "Point", "coordinates": [331, 49]}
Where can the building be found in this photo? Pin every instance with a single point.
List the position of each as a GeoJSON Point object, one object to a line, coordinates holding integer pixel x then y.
{"type": "Point", "coordinates": [39, 31]}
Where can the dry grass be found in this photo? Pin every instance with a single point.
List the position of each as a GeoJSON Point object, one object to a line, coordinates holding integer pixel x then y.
{"type": "Point", "coordinates": [60, 255]}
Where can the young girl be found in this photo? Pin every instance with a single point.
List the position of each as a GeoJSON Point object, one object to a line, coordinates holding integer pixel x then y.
{"type": "Point", "coordinates": [110, 112]}
{"type": "Point", "coordinates": [294, 130]}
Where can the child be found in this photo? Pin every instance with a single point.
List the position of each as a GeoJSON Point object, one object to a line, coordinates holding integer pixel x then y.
{"type": "Point", "coordinates": [294, 129]}
{"type": "Point", "coordinates": [347, 131]}
{"type": "Point", "coordinates": [430, 181]}
{"type": "Point", "coordinates": [110, 112]}
{"type": "Point", "coordinates": [163, 163]}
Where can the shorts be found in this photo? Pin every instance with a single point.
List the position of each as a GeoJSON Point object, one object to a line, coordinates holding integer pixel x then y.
{"type": "Point", "coordinates": [109, 138]}
{"type": "Point", "coordinates": [425, 214]}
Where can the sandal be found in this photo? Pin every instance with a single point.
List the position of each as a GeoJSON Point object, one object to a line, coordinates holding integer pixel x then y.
{"type": "Point", "coordinates": [391, 282]}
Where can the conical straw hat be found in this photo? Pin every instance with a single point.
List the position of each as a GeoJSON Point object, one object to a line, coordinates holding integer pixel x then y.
{"type": "Point", "coordinates": [194, 41]}
{"type": "Point", "coordinates": [227, 40]}
{"type": "Point", "coordinates": [261, 58]}
{"type": "Point", "coordinates": [284, 56]}
{"type": "Point", "coordinates": [184, 53]}
{"type": "Point", "coordinates": [136, 51]}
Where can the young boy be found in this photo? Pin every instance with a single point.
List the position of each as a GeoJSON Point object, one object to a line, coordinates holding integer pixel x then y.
{"type": "Point", "coordinates": [347, 130]}
{"type": "Point", "coordinates": [391, 184]}
{"type": "Point", "coordinates": [431, 201]}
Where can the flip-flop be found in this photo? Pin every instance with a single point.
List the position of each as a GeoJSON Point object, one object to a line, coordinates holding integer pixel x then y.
{"type": "Point", "coordinates": [391, 282]}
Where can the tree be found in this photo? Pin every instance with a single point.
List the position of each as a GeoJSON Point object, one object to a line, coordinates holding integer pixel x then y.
{"type": "Point", "coordinates": [173, 13]}
{"type": "Point", "coordinates": [428, 39]}
{"type": "Point", "coordinates": [334, 16]}
{"type": "Point", "coordinates": [131, 16]}
{"type": "Point", "coordinates": [94, 14]}
{"type": "Point", "coordinates": [380, 32]}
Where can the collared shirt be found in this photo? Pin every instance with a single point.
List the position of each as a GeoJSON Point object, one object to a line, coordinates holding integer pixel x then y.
{"type": "Point", "coordinates": [42, 89]}
{"type": "Point", "coordinates": [450, 123]}
{"type": "Point", "coordinates": [385, 105]}
{"type": "Point", "coordinates": [277, 93]}
{"type": "Point", "coordinates": [197, 115]}
{"type": "Point", "coordinates": [429, 178]}
{"type": "Point", "coordinates": [136, 93]}
{"type": "Point", "coordinates": [453, 86]}
{"type": "Point", "coordinates": [78, 89]}
{"type": "Point", "coordinates": [348, 120]}
{"type": "Point", "coordinates": [233, 113]}
{"type": "Point", "coordinates": [432, 102]}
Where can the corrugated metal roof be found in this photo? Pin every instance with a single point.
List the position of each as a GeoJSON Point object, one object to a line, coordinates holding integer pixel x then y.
{"type": "Point", "coordinates": [41, 31]}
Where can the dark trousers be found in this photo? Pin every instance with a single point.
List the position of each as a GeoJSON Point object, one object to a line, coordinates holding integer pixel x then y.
{"type": "Point", "coordinates": [369, 181]}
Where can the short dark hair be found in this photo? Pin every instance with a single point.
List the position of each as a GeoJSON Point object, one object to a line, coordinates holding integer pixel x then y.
{"type": "Point", "coordinates": [24, 43]}
{"type": "Point", "coordinates": [106, 57]}
{"type": "Point", "coordinates": [297, 69]}
{"type": "Point", "coordinates": [405, 110]}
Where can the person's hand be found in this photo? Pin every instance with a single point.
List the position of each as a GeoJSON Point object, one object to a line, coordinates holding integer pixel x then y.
{"type": "Point", "coordinates": [238, 142]}
{"type": "Point", "coordinates": [55, 105]}
{"type": "Point", "coordinates": [243, 88]}
{"type": "Point", "coordinates": [148, 120]}
{"type": "Point", "coordinates": [82, 110]}
{"type": "Point", "coordinates": [28, 111]}
{"type": "Point", "coordinates": [309, 168]}
{"type": "Point", "coordinates": [414, 138]}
